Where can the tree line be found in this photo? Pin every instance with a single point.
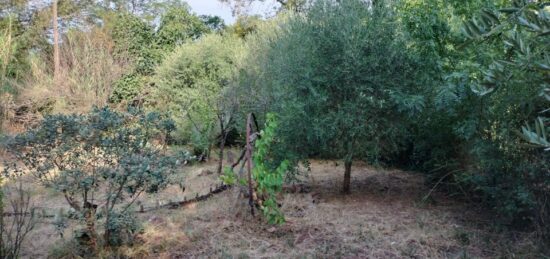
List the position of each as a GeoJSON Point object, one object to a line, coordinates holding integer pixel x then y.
{"type": "Point", "coordinates": [458, 90]}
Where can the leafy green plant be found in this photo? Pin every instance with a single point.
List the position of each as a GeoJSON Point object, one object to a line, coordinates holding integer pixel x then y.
{"type": "Point", "coordinates": [127, 88]}
{"type": "Point", "coordinates": [511, 88]}
{"type": "Point", "coordinates": [14, 50]}
{"type": "Point", "coordinates": [268, 174]}
{"type": "Point", "coordinates": [134, 41]}
{"type": "Point", "coordinates": [538, 136]}
{"type": "Point", "coordinates": [124, 226]}
{"type": "Point", "coordinates": [268, 178]}
{"type": "Point", "coordinates": [190, 84]}
{"type": "Point", "coordinates": [178, 25]}
{"type": "Point", "coordinates": [99, 161]}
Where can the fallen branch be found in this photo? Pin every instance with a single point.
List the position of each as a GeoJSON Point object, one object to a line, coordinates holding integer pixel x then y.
{"type": "Point", "coordinates": [436, 184]}
{"type": "Point", "coordinates": [170, 205]}
{"type": "Point", "coordinates": [174, 205]}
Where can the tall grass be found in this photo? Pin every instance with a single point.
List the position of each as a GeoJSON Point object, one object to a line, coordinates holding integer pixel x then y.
{"type": "Point", "coordinates": [88, 71]}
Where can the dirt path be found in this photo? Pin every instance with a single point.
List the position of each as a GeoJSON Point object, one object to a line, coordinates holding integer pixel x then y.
{"type": "Point", "coordinates": [382, 218]}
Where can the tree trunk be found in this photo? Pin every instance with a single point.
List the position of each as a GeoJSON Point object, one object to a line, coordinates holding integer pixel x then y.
{"type": "Point", "coordinates": [224, 132]}
{"type": "Point", "coordinates": [90, 241]}
{"type": "Point", "coordinates": [107, 233]}
{"type": "Point", "coordinates": [222, 147]}
{"type": "Point", "coordinates": [249, 163]}
{"type": "Point", "coordinates": [3, 253]}
{"type": "Point", "coordinates": [55, 42]}
{"type": "Point", "coordinates": [347, 176]}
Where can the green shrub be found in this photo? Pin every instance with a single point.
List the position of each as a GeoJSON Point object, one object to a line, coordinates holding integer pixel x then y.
{"type": "Point", "coordinates": [268, 174]}
{"type": "Point", "coordinates": [134, 42]}
{"type": "Point", "coordinates": [509, 88]}
{"type": "Point", "coordinates": [179, 26]}
{"type": "Point", "coordinates": [102, 158]}
{"type": "Point", "coordinates": [124, 228]}
{"type": "Point", "coordinates": [342, 80]}
{"type": "Point", "coordinates": [127, 88]}
{"type": "Point", "coordinates": [190, 84]}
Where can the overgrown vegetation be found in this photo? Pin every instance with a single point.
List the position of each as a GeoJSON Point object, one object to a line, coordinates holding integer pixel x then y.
{"type": "Point", "coordinates": [511, 91]}
{"type": "Point", "coordinates": [457, 90]}
{"type": "Point", "coordinates": [328, 78]}
{"type": "Point", "coordinates": [268, 174]}
{"type": "Point", "coordinates": [191, 83]}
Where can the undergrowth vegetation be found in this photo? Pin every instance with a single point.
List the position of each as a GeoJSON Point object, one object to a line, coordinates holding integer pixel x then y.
{"type": "Point", "coordinates": [457, 90]}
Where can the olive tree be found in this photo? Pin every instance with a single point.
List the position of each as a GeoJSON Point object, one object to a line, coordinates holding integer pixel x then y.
{"type": "Point", "coordinates": [101, 162]}
{"type": "Point", "coordinates": [514, 87]}
{"type": "Point", "coordinates": [341, 81]}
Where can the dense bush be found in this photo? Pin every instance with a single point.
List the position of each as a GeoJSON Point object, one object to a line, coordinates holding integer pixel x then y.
{"type": "Point", "coordinates": [511, 89]}
{"type": "Point", "coordinates": [134, 42]}
{"type": "Point", "coordinates": [13, 52]}
{"type": "Point", "coordinates": [342, 81]}
{"type": "Point", "coordinates": [178, 26]}
{"type": "Point", "coordinates": [490, 76]}
{"type": "Point", "coordinates": [190, 84]}
{"type": "Point", "coordinates": [127, 88]}
{"type": "Point", "coordinates": [401, 83]}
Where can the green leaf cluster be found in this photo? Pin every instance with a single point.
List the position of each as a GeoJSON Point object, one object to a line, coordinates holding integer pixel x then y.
{"type": "Point", "coordinates": [268, 178]}
{"type": "Point", "coordinates": [127, 87]}
{"type": "Point", "coordinates": [342, 78]}
{"type": "Point", "coordinates": [268, 174]}
{"type": "Point", "coordinates": [498, 85]}
{"type": "Point", "coordinates": [191, 83]}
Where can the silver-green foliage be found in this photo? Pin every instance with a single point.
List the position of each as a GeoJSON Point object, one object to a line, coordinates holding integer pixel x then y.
{"type": "Point", "coordinates": [509, 76]}
{"type": "Point", "coordinates": [341, 79]}
{"type": "Point", "coordinates": [103, 158]}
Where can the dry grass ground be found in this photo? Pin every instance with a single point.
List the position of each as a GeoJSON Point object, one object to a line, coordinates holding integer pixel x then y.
{"type": "Point", "coordinates": [382, 218]}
